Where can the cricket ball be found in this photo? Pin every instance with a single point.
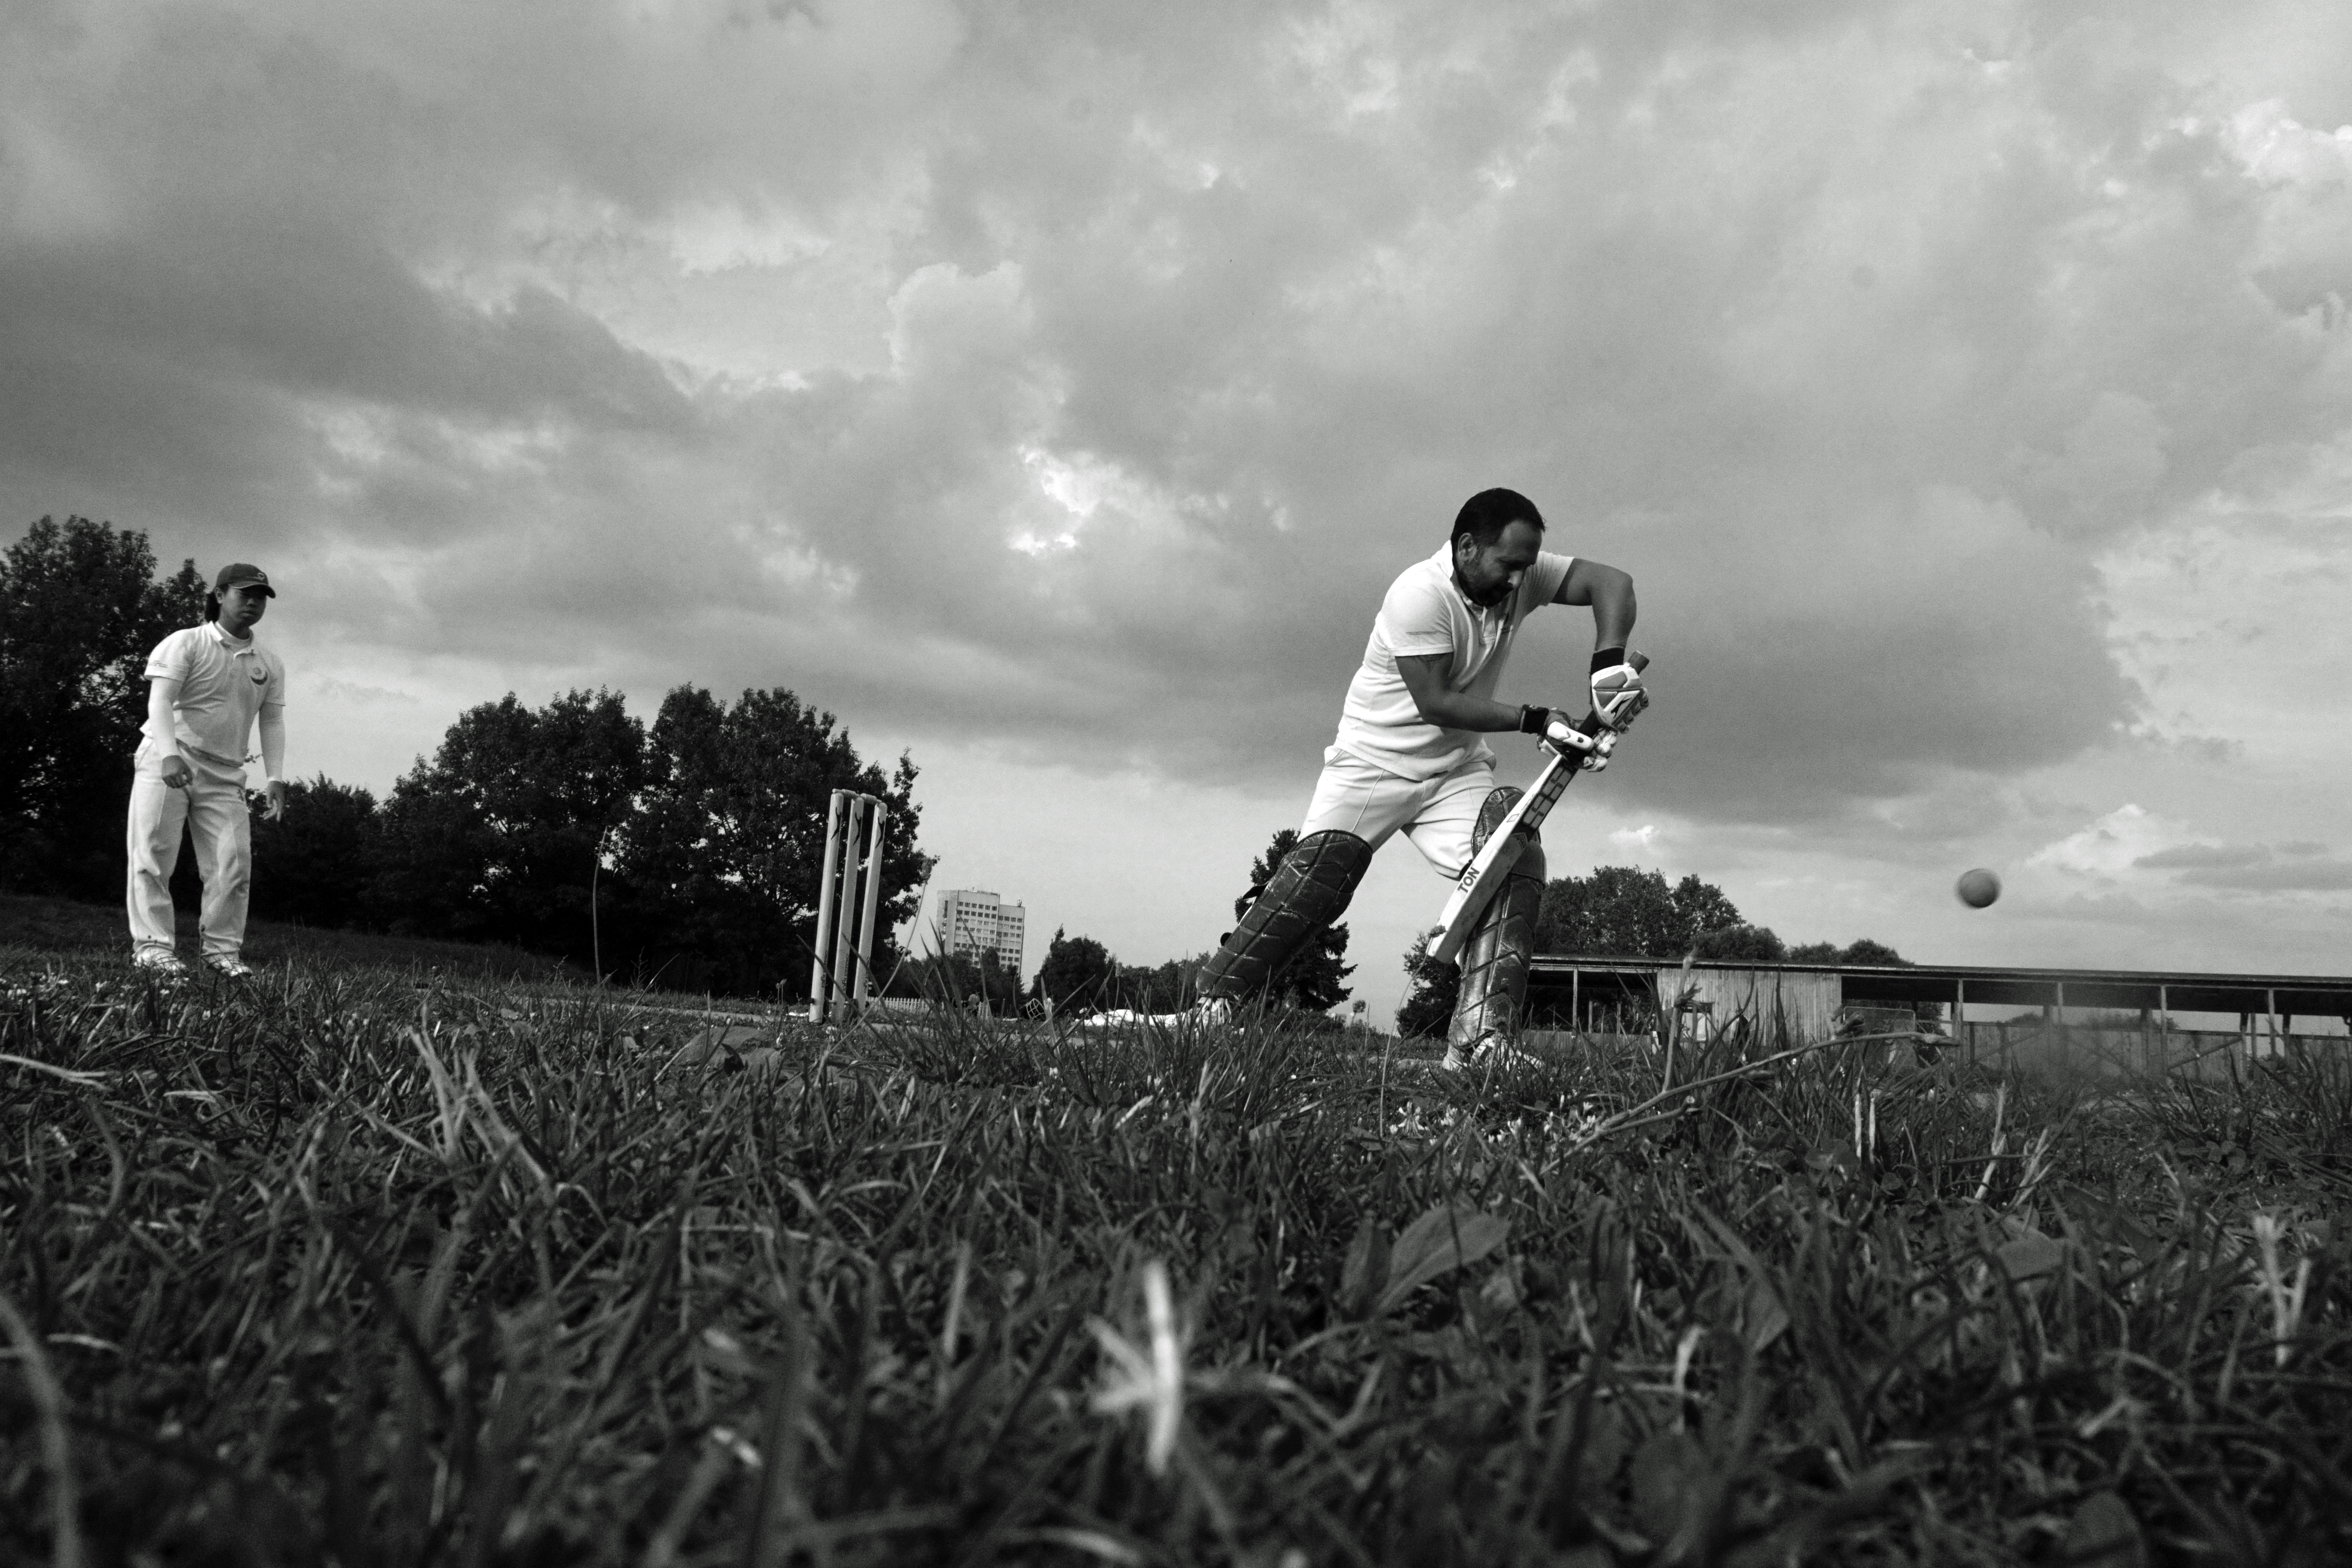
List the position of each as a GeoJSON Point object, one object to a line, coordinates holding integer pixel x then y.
{"type": "Point", "coordinates": [1978, 887]}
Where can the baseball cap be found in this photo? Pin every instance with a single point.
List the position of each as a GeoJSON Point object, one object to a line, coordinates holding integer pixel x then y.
{"type": "Point", "coordinates": [243, 574]}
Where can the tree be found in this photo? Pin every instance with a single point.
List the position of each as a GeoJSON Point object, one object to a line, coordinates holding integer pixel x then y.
{"type": "Point", "coordinates": [1625, 912]}
{"type": "Point", "coordinates": [1617, 910]}
{"type": "Point", "coordinates": [1076, 971]}
{"type": "Point", "coordinates": [430, 872]}
{"type": "Point", "coordinates": [1754, 944]}
{"type": "Point", "coordinates": [1428, 1006]}
{"type": "Point", "coordinates": [312, 866]}
{"type": "Point", "coordinates": [1310, 981]}
{"type": "Point", "coordinates": [1704, 907]}
{"type": "Point", "coordinates": [79, 610]}
{"type": "Point", "coordinates": [1166, 987]}
{"type": "Point", "coordinates": [728, 843]}
{"type": "Point", "coordinates": [501, 836]}
{"type": "Point", "coordinates": [1862, 950]}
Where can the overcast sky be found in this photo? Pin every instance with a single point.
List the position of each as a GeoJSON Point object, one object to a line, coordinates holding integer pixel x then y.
{"type": "Point", "coordinates": [1051, 391]}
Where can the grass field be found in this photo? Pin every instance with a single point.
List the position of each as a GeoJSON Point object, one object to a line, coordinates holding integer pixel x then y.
{"type": "Point", "coordinates": [365, 1265]}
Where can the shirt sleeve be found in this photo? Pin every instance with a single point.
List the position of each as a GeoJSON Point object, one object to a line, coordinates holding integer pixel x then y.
{"type": "Point", "coordinates": [1415, 619]}
{"type": "Point", "coordinates": [170, 660]}
{"type": "Point", "coordinates": [274, 694]}
{"type": "Point", "coordinates": [1541, 584]}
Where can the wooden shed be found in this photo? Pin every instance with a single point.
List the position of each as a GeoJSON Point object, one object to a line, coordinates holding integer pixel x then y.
{"type": "Point", "coordinates": [1794, 1004]}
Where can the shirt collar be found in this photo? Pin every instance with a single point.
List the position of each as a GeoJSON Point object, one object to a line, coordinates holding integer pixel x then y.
{"type": "Point", "coordinates": [1444, 562]}
{"type": "Point", "coordinates": [230, 643]}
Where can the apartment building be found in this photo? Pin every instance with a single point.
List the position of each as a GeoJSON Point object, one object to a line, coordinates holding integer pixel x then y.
{"type": "Point", "coordinates": [969, 921]}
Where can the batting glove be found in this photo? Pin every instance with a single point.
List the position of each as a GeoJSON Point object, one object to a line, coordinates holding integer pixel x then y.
{"type": "Point", "coordinates": [1567, 737]}
{"type": "Point", "coordinates": [1617, 691]}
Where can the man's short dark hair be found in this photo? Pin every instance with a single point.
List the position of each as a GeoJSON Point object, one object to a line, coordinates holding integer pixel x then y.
{"type": "Point", "coordinates": [1484, 515]}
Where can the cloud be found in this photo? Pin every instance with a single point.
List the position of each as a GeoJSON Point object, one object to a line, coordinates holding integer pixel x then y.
{"type": "Point", "coordinates": [2205, 857]}
{"type": "Point", "coordinates": [2297, 865]}
{"type": "Point", "coordinates": [2313, 877]}
{"type": "Point", "coordinates": [2125, 837]}
{"type": "Point", "coordinates": [1075, 382]}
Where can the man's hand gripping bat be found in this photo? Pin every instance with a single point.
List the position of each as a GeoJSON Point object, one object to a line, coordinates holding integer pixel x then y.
{"type": "Point", "coordinates": [1586, 743]}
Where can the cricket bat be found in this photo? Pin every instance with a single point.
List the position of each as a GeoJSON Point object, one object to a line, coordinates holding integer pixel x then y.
{"type": "Point", "coordinates": [1570, 746]}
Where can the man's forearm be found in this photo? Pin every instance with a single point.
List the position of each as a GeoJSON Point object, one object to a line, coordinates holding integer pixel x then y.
{"type": "Point", "coordinates": [273, 744]}
{"type": "Point", "coordinates": [1609, 591]}
{"type": "Point", "coordinates": [1613, 610]}
{"type": "Point", "coordinates": [1461, 710]}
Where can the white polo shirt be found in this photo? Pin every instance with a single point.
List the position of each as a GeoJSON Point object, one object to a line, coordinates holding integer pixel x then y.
{"type": "Point", "coordinates": [224, 684]}
{"type": "Point", "coordinates": [1424, 614]}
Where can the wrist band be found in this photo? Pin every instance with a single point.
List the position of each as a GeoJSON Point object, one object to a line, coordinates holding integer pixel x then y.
{"type": "Point", "coordinates": [1607, 658]}
{"type": "Point", "coordinates": [1533, 720]}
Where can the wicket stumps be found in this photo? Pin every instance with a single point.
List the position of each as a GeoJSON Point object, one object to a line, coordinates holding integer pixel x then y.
{"type": "Point", "coordinates": [848, 896]}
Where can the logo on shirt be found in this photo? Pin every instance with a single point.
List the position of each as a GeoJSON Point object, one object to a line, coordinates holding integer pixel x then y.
{"type": "Point", "coordinates": [261, 677]}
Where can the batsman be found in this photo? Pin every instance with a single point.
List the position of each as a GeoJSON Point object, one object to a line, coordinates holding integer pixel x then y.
{"type": "Point", "coordinates": [1411, 757]}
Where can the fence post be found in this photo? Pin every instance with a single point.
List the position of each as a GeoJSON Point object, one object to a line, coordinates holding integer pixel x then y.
{"type": "Point", "coordinates": [2164, 1029]}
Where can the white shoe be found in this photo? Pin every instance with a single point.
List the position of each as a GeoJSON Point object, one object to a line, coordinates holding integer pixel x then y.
{"type": "Point", "coordinates": [158, 961]}
{"type": "Point", "coordinates": [1213, 1011]}
{"type": "Point", "coordinates": [230, 968]}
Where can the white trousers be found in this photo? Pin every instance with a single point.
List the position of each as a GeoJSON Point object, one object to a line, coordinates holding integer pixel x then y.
{"type": "Point", "coordinates": [212, 806]}
{"type": "Point", "coordinates": [1438, 815]}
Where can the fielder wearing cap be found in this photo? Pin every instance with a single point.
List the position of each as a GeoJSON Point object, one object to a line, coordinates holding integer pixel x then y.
{"type": "Point", "coordinates": [1410, 757]}
{"type": "Point", "coordinates": [206, 687]}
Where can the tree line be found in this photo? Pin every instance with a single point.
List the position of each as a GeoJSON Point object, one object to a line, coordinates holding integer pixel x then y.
{"type": "Point", "coordinates": [684, 854]}
{"type": "Point", "coordinates": [80, 607]}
